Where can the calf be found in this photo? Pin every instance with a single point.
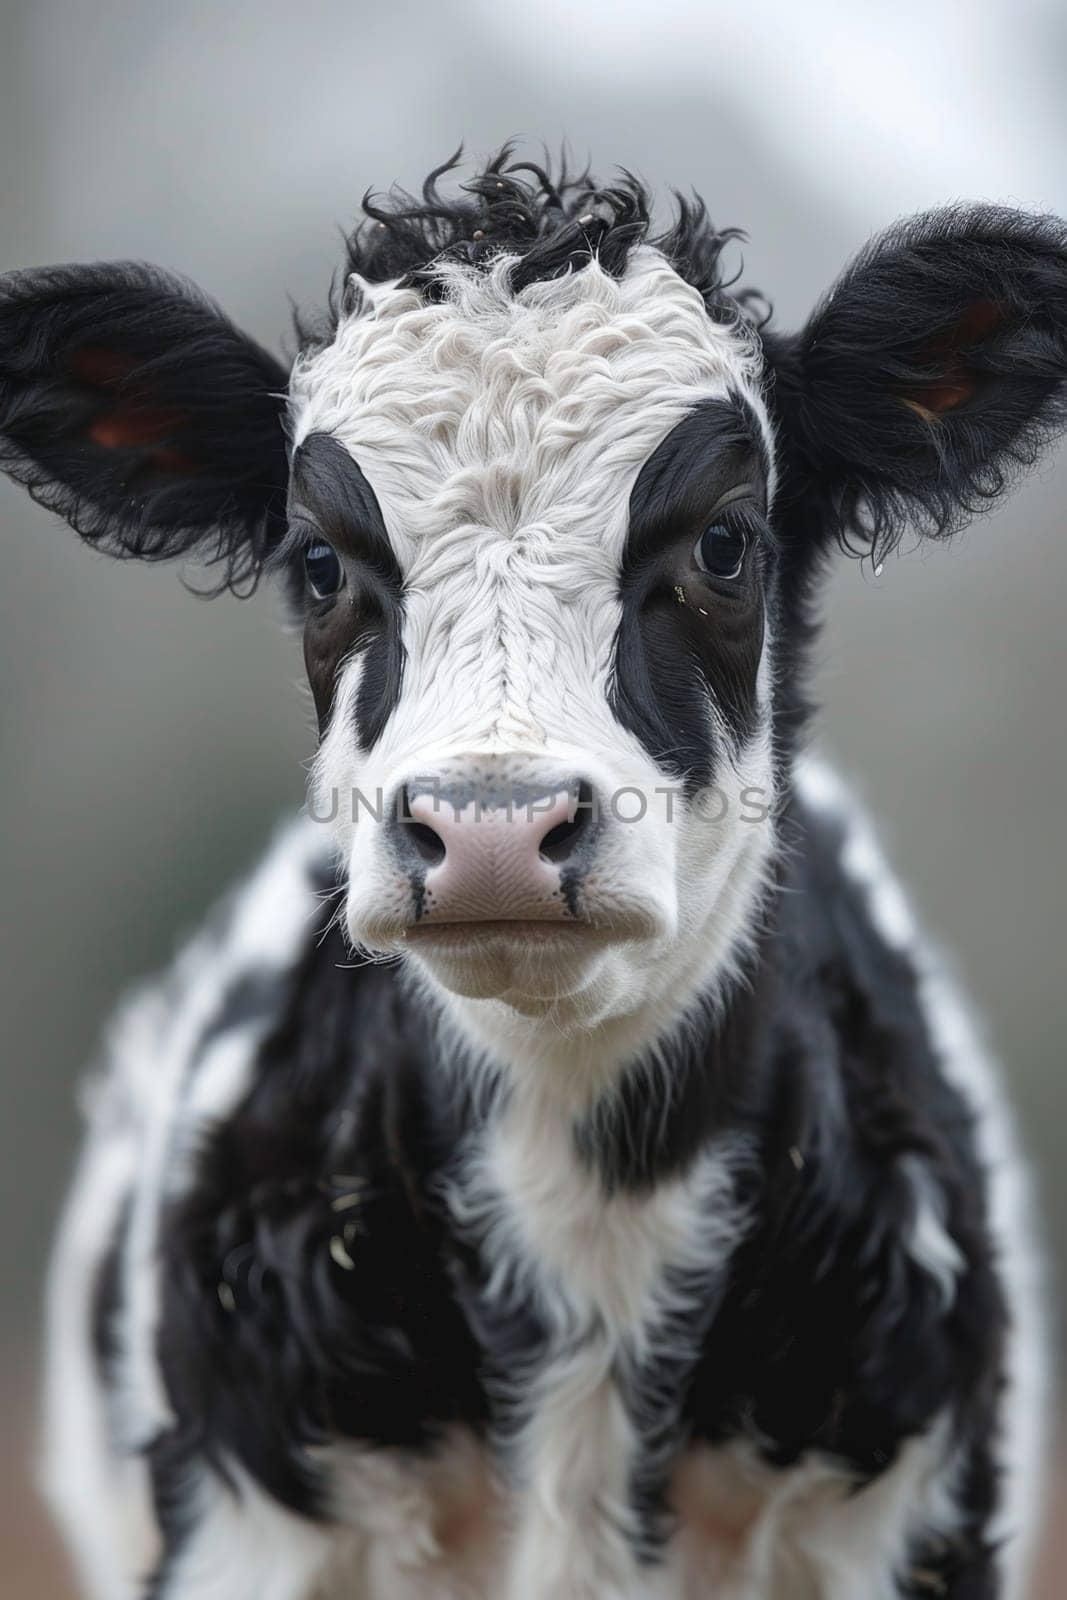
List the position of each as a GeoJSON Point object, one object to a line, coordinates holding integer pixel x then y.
{"type": "Point", "coordinates": [559, 1174]}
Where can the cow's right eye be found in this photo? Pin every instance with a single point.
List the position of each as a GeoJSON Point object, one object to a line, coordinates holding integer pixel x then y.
{"type": "Point", "coordinates": [323, 570]}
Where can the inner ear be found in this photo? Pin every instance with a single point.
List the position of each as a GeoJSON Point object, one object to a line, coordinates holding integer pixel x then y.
{"type": "Point", "coordinates": [951, 380]}
{"type": "Point", "coordinates": [131, 419]}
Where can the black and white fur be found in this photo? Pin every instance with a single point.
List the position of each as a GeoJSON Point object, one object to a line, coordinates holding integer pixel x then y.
{"type": "Point", "coordinates": [681, 1251]}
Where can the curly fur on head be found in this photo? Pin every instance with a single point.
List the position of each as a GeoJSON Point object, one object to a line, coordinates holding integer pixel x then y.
{"type": "Point", "coordinates": [553, 222]}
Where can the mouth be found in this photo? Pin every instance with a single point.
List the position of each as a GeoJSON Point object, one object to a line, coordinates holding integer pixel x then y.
{"type": "Point", "coordinates": [457, 935]}
{"type": "Point", "coordinates": [531, 965]}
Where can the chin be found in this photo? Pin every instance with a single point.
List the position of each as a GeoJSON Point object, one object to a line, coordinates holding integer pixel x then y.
{"type": "Point", "coordinates": [534, 968]}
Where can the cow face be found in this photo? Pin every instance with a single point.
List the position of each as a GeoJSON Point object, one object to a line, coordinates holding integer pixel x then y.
{"type": "Point", "coordinates": [534, 535]}
{"type": "Point", "coordinates": [552, 565]}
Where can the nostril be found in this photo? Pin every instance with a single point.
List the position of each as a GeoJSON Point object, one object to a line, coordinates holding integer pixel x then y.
{"type": "Point", "coordinates": [429, 845]}
{"type": "Point", "coordinates": [560, 842]}
{"type": "Point", "coordinates": [424, 840]}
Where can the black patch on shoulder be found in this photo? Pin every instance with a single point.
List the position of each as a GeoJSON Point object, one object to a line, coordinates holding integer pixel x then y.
{"type": "Point", "coordinates": [821, 1332]}
{"type": "Point", "coordinates": [307, 1281]}
{"type": "Point", "coordinates": [831, 1337]}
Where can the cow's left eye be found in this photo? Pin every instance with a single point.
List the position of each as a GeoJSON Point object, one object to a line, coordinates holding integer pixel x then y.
{"type": "Point", "coordinates": [323, 569]}
{"type": "Point", "coordinates": [720, 550]}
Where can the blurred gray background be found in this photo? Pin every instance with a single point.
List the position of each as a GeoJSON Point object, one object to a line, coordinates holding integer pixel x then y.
{"type": "Point", "coordinates": [149, 740]}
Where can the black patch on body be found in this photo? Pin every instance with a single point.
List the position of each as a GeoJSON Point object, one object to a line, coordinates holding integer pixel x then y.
{"type": "Point", "coordinates": [684, 637]}
{"type": "Point", "coordinates": [819, 1334]}
{"type": "Point", "coordinates": [333, 1142]}
{"type": "Point", "coordinates": [633, 1142]}
{"type": "Point", "coordinates": [822, 1333]}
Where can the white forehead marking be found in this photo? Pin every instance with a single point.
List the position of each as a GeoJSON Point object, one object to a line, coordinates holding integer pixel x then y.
{"type": "Point", "coordinates": [526, 413]}
{"type": "Point", "coordinates": [502, 435]}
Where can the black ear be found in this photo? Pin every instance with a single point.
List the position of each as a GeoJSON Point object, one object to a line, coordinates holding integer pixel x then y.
{"type": "Point", "coordinates": [131, 406]}
{"type": "Point", "coordinates": [932, 373]}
